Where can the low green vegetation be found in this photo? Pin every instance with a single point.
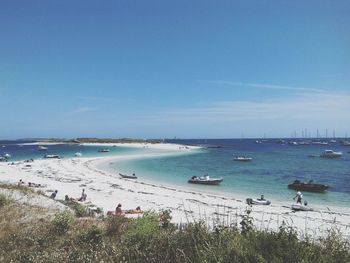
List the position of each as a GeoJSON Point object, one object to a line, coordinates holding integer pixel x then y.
{"type": "Point", "coordinates": [152, 238]}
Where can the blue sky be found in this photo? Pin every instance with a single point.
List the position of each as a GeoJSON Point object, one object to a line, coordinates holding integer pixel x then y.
{"type": "Point", "coordinates": [155, 69]}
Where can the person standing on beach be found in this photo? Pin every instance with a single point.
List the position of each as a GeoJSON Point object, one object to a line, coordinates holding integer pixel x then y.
{"type": "Point", "coordinates": [83, 196]}
{"type": "Point", "coordinates": [299, 197]}
{"type": "Point", "coordinates": [53, 195]}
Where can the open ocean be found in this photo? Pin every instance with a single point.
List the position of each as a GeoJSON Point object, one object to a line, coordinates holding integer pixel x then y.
{"type": "Point", "coordinates": [274, 166]}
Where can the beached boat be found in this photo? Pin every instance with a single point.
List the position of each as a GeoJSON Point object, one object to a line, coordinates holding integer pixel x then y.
{"type": "Point", "coordinates": [52, 156]}
{"type": "Point", "coordinates": [133, 176]}
{"type": "Point", "coordinates": [331, 154]}
{"type": "Point", "coordinates": [253, 201]}
{"type": "Point", "coordinates": [205, 180]}
{"type": "Point", "coordinates": [242, 159]}
{"type": "Point", "coordinates": [105, 150]}
{"type": "Point", "coordinates": [42, 148]}
{"type": "Point", "coordinates": [299, 207]}
{"type": "Point", "coordinates": [309, 186]}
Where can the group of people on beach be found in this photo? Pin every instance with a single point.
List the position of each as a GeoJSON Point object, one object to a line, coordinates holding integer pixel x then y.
{"type": "Point", "coordinates": [119, 212]}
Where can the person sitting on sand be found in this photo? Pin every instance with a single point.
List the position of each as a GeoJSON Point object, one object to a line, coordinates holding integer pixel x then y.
{"type": "Point", "coordinates": [118, 210]}
{"type": "Point", "coordinates": [83, 196]}
{"type": "Point", "coordinates": [134, 211]}
{"type": "Point", "coordinates": [20, 182]}
{"type": "Point", "coordinates": [299, 197]}
{"type": "Point", "coordinates": [54, 194]}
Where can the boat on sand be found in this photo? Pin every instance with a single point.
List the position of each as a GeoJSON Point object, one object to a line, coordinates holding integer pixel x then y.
{"type": "Point", "coordinates": [300, 207]}
{"type": "Point", "coordinates": [133, 176]}
{"type": "Point", "coordinates": [253, 201]}
{"type": "Point", "coordinates": [205, 180]}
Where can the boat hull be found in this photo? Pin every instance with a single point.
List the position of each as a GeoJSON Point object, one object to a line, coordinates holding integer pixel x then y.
{"type": "Point", "coordinates": [318, 188]}
{"type": "Point", "coordinates": [127, 176]}
{"type": "Point", "coordinates": [252, 201]}
{"type": "Point", "coordinates": [298, 207]}
{"type": "Point", "coordinates": [206, 182]}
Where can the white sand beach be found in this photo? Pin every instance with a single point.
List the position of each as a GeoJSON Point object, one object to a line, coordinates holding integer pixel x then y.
{"type": "Point", "coordinates": [106, 189]}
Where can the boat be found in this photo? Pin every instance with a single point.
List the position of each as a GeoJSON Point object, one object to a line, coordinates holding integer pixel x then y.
{"type": "Point", "coordinates": [299, 207]}
{"type": "Point", "coordinates": [3, 159]}
{"type": "Point", "coordinates": [104, 150]}
{"type": "Point", "coordinates": [242, 159]}
{"type": "Point", "coordinates": [42, 148]}
{"type": "Point", "coordinates": [52, 156]}
{"type": "Point", "coordinates": [7, 156]}
{"type": "Point", "coordinates": [133, 176]}
{"type": "Point", "coordinates": [205, 180]}
{"type": "Point", "coordinates": [78, 154]}
{"type": "Point", "coordinates": [331, 154]}
{"type": "Point", "coordinates": [309, 186]}
{"type": "Point", "coordinates": [254, 201]}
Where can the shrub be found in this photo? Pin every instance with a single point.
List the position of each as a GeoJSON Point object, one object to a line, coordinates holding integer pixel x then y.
{"type": "Point", "coordinates": [94, 235]}
{"type": "Point", "coordinates": [63, 221]}
{"type": "Point", "coordinates": [4, 200]}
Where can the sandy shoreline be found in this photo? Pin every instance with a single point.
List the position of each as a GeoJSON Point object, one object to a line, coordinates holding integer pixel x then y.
{"type": "Point", "coordinates": [106, 189]}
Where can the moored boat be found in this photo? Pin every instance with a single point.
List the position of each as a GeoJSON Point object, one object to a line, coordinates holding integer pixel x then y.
{"type": "Point", "coordinates": [242, 159]}
{"type": "Point", "coordinates": [104, 150]}
{"type": "Point", "coordinates": [42, 148]}
{"type": "Point", "coordinates": [309, 186]}
{"type": "Point", "coordinates": [205, 180]}
{"type": "Point", "coordinates": [52, 156]}
{"type": "Point", "coordinates": [331, 154]}
{"type": "Point", "coordinates": [78, 154]}
{"type": "Point", "coordinates": [133, 176]}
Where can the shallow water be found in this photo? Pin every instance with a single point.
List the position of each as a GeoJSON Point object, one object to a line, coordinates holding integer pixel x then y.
{"type": "Point", "coordinates": [274, 166]}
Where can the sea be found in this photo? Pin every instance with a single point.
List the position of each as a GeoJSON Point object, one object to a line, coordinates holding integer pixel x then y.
{"type": "Point", "coordinates": [274, 166]}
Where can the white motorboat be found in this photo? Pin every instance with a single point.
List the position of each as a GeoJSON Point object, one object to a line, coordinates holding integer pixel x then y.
{"type": "Point", "coordinates": [7, 156]}
{"type": "Point", "coordinates": [331, 154]}
{"type": "Point", "coordinates": [253, 201]}
{"type": "Point", "coordinates": [42, 148]}
{"type": "Point", "coordinates": [78, 154]}
{"type": "Point", "coordinates": [242, 159]}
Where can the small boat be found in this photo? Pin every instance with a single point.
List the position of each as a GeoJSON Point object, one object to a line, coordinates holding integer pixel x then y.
{"type": "Point", "coordinates": [309, 186]}
{"type": "Point", "coordinates": [133, 176]}
{"type": "Point", "coordinates": [7, 156]}
{"type": "Point", "coordinates": [253, 201]}
{"type": "Point", "coordinates": [242, 159]}
{"type": "Point", "coordinates": [78, 154]}
{"type": "Point", "coordinates": [331, 154]}
{"type": "Point", "coordinates": [299, 207]}
{"type": "Point", "coordinates": [205, 180]}
{"type": "Point", "coordinates": [42, 148]}
{"type": "Point", "coordinates": [3, 159]}
{"type": "Point", "coordinates": [104, 150]}
{"type": "Point", "coordinates": [52, 156]}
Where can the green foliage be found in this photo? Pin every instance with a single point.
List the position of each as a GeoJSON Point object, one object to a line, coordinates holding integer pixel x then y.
{"type": "Point", "coordinates": [79, 209]}
{"type": "Point", "coordinates": [63, 221]}
{"type": "Point", "coordinates": [93, 236]}
{"type": "Point", "coordinates": [145, 239]}
{"type": "Point", "coordinates": [4, 200]}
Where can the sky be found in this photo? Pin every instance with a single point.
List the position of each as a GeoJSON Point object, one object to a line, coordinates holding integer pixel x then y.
{"type": "Point", "coordinates": [165, 69]}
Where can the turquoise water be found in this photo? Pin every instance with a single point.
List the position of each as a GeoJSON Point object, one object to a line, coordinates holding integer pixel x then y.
{"type": "Point", "coordinates": [274, 166]}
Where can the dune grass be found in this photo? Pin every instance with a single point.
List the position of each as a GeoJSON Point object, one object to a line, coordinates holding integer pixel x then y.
{"type": "Point", "coordinates": [151, 238]}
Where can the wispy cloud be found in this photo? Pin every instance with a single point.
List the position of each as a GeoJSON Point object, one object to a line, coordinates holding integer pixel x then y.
{"type": "Point", "coordinates": [263, 86]}
{"type": "Point", "coordinates": [83, 109]}
{"type": "Point", "coordinates": [277, 116]}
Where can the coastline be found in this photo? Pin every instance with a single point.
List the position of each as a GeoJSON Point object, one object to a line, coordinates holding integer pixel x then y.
{"type": "Point", "coordinates": [105, 189]}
